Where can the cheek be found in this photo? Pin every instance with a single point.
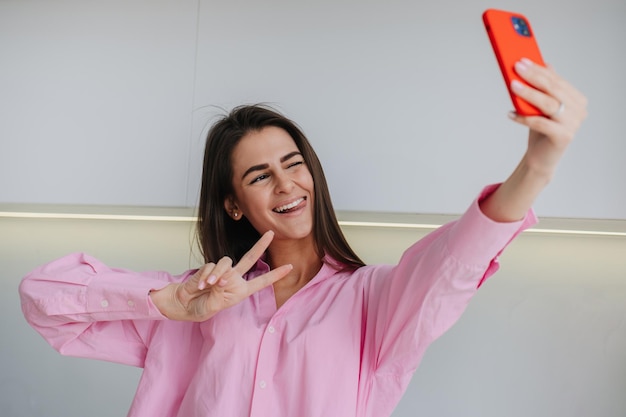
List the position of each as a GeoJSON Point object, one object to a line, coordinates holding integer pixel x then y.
{"type": "Point", "coordinates": [307, 179]}
{"type": "Point", "coordinates": [244, 199]}
{"type": "Point", "coordinates": [250, 201]}
{"type": "Point", "coordinates": [309, 184]}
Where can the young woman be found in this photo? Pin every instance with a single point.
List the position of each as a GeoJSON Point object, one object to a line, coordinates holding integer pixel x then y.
{"type": "Point", "coordinates": [284, 319]}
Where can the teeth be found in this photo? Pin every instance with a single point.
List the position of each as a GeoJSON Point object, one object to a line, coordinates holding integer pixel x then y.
{"type": "Point", "coordinates": [288, 206]}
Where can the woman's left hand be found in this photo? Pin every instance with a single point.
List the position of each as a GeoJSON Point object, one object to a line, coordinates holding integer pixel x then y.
{"type": "Point", "coordinates": [564, 108]}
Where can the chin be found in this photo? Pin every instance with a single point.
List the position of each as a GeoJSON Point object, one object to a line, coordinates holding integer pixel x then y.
{"type": "Point", "coordinates": [297, 234]}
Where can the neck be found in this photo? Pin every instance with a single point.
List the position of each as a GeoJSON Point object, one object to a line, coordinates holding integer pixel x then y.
{"type": "Point", "coordinates": [306, 264]}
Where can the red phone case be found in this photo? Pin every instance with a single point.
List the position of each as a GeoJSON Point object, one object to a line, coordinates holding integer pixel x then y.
{"type": "Point", "coordinates": [510, 46]}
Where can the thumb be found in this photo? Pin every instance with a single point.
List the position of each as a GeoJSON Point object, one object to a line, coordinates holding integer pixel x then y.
{"type": "Point", "coordinates": [267, 279]}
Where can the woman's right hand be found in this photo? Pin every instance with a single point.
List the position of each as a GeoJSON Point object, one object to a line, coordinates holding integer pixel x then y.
{"type": "Point", "coordinates": [215, 287]}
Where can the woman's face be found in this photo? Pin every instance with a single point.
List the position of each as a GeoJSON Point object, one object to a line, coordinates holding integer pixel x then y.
{"type": "Point", "coordinates": [272, 184]}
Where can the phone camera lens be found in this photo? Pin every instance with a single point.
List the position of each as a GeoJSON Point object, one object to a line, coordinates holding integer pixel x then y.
{"type": "Point", "coordinates": [520, 26]}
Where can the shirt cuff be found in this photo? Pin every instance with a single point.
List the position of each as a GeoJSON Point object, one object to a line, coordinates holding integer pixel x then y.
{"type": "Point", "coordinates": [122, 296]}
{"type": "Point", "coordinates": [476, 239]}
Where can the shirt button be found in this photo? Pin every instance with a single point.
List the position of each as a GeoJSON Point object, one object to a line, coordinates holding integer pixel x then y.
{"type": "Point", "coordinates": [262, 384]}
{"type": "Point", "coordinates": [131, 303]}
{"type": "Point", "coordinates": [271, 329]}
{"type": "Point", "coordinates": [104, 303]}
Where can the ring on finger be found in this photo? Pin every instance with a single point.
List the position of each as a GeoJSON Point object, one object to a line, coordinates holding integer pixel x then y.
{"type": "Point", "coordinates": [558, 111]}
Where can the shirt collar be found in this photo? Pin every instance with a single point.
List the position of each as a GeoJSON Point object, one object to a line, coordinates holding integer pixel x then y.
{"type": "Point", "coordinates": [329, 268]}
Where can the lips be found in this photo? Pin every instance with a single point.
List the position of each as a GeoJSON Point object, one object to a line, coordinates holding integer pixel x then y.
{"type": "Point", "coordinates": [290, 206]}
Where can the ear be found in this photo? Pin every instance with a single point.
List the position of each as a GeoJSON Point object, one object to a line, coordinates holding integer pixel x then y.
{"type": "Point", "coordinates": [232, 209]}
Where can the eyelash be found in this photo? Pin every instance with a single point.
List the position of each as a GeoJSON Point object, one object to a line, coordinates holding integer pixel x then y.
{"type": "Point", "coordinates": [264, 176]}
{"type": "Point", "coordinates": [259, 178]}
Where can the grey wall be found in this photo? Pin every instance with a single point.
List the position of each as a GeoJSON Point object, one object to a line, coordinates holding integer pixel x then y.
{"type": "Point", "coordinates": [107, 102]}
{"type": "Point", "coordinates": [544, 337]}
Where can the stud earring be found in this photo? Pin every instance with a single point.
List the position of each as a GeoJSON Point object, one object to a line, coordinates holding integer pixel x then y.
{"type": "Point", "coordinates": [235, 214]}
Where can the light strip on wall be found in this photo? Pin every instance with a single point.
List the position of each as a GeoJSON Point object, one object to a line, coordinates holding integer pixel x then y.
{"type": "Point", "coordinates": [435, 226]}
{"type": "Point", "coordinates": [575, 232]}
{"type": "Point", "coordinates": [172, 218]}
{"type": "Point", "coordinates": [84, 216]}
{"type": "Point", "coordinates": [390, 225]}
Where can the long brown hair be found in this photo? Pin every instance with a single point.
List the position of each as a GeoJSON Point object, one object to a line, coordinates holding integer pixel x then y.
{"type": "Point", "coordinates": [218, 234]}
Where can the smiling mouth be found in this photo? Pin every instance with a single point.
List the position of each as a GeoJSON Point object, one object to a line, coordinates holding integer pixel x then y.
{"type": "Point", "coordinates": [288, 207]}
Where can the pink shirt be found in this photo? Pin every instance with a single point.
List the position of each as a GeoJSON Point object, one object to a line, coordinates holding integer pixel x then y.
{"type": "Point", "coordinates": [345, 345]}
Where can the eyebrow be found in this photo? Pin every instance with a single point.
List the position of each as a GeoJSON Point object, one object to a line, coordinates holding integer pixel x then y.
{"type": "Point", "coordinates": [261, 167]}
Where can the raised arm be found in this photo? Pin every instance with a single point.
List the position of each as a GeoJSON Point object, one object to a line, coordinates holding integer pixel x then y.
{"type": "Point", "coordinates": [548, 138]}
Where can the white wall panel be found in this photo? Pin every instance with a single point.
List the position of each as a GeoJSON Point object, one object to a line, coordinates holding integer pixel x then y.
{"type": "Point", "coordinates": [106, 103]}
{"type": "Point", "coordinates": [96, 101]}
{"type": "Point", "coordinates": [404, 102]}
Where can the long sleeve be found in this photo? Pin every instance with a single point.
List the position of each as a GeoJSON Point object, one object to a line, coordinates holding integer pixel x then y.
{"type": "Point", "coordinates": [83, 308]}
{"type": "Point", "coordinates": [413, 303]}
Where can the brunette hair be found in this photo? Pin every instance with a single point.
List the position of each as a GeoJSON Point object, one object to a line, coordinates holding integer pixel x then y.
{"type": "Point", "coordinates": [218, 234]}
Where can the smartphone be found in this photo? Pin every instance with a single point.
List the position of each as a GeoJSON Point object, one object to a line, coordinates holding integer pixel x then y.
{"type": "Point", "coordinates": [512, 38]}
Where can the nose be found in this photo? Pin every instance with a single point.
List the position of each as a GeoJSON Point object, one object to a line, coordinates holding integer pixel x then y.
{"type": "Point", "coordinates": [284, 183]}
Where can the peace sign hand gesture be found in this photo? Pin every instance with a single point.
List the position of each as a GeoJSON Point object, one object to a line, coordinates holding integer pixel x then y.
{"type": "Point", "coordinates": [215, 287]}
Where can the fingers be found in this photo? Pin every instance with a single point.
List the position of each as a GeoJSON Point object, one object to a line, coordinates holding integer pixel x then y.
{"type": "Point", "coordinates": [543, 125]}
{"type": "Point", "coordinates": [249, 259]}
{"type": "Point", "coordinates": [547, 94]}
{"type": "Point", "coordinates": [211, 273]}
{"type": "Point", "coordinates": [546, 104]}
{"type": "Point", "coordinates": [564, 106]}
{"type": "Point", "coordinates": [547, 91]}
{"type": "Point", "coordinates": [268, 278]}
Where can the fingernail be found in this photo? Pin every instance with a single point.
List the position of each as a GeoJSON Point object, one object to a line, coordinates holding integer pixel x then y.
{"type": "Point", "coordinates": [212, 279]}
{"type": "Point", "coordinates": [512, 115]}
{"type": "Point", "coordinates": [222, 282]}
{"type": "Point", "coordinates": [522, 66]}
{"type": "Point", "coordinates": [517, 85]}
{"type": "Point", "coordinates": [201, 285]}
{"type": "Point", "coordinates": [528, 62]}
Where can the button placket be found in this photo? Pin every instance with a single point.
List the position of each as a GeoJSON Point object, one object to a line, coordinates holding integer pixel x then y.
{"type": "Point", "coordinates": [266, 366]}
